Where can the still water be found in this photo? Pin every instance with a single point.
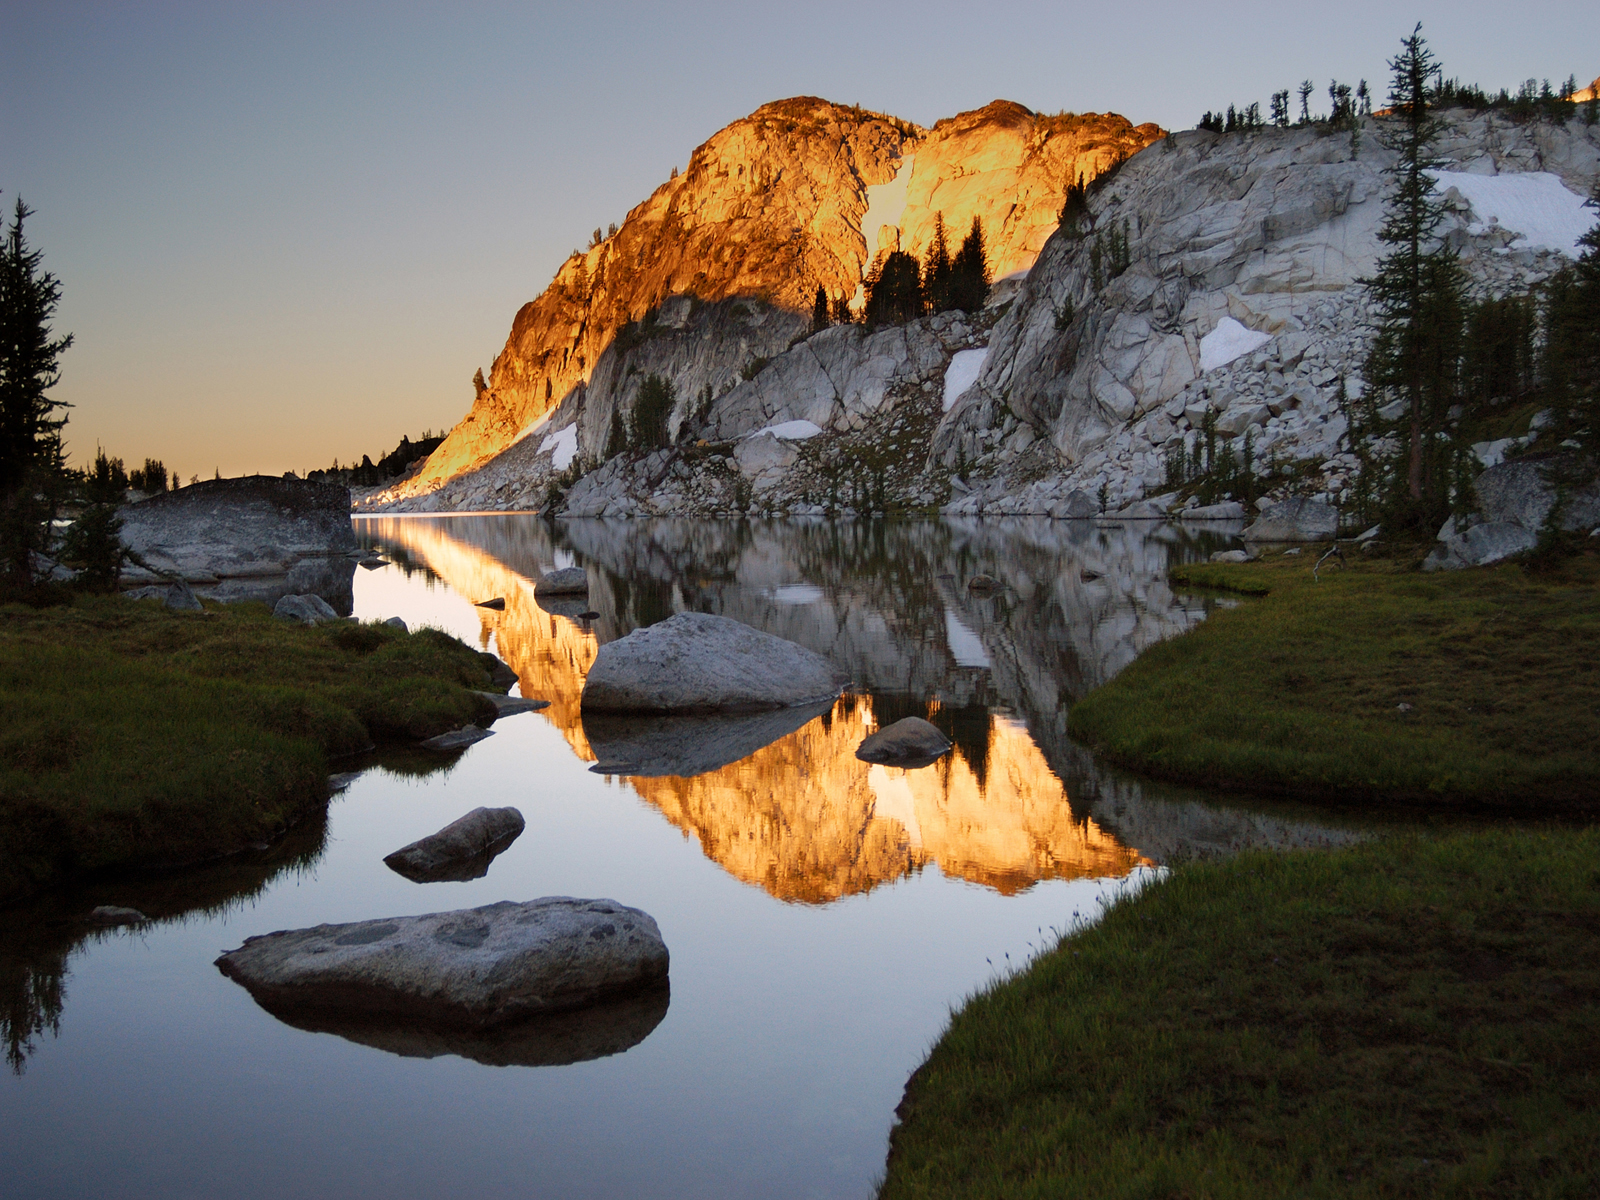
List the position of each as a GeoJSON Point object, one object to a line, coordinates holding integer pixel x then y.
{"type": "Point", "coordinates": [823, 915]}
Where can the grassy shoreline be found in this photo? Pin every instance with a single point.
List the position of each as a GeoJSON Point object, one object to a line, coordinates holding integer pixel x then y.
{"type": "Point", "coordinates": [1376, 684]}
{"type": "Point", "coordinates": [136, 737]}
{"type": "Point", "coordinates": [1408, 1017]}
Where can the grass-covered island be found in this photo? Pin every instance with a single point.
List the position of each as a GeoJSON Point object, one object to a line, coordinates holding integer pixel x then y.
{"type": "Point", "coordinates": [1415, 1016]}
{"type": "Point", "coordinates": [134, 736]}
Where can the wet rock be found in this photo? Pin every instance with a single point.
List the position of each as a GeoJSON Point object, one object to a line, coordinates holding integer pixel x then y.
{"type": "Point", "coordinates": [111, 914]}
{"type": "Point", "coordinates": [461, 850]}
{"type": "Point", "coordinates": [456, 739]}
{"type": "Point", "coordinates": [699, 663]}
{"type": "Point", "coordinates": [1295, 520]}
{"type": "Point", "coordinates": [569, 581]}
{"type": "Point", "coordinates": [654, 746]}
{"type": "Point", "coordinates": [500, 674]}
{"type": "Point", "coordinates": [984, 583]}
{"type": "Point", "coordinates": [909, 742]}
{"type": "Point", "coordinates": [474, 968]}
{"type": "Point", "coordinates": [309, 609]}
{"type": "Point", "coordinates": [498, 604]}
{"type": "Point", "coordinates": [510, 706]}
{"type": "Point", "coordinates": [552, 1040]}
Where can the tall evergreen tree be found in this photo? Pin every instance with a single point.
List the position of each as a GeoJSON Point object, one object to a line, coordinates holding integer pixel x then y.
{"type": "Point", "coordinates": [894, 291]}
{"type": "Point", "coordinates": [30, 430]}
{"type": "Point", "coordinates": [819, 310]}
{"type": "Point", "coordinates": [936, 269]}
{"type": "Point", "coordinates": [969, 272]}
{"type": "Point", "coordinates": [1418, 294]}
{"type": "Point", "coordinates": [1572, 344]}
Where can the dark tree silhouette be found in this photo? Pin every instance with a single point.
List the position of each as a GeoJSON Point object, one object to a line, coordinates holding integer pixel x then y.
{"type": "Point", "coordinates": [936, 269]}
{"type": "Point", "coordinates": [819, 310]}
{"type": "Point", "coordinates": [969, 286]}
{"type": "Point", "coordinates": [894, 291]}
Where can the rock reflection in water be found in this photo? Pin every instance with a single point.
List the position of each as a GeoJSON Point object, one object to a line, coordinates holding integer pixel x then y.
{"type": "Point", "coordinates": [791, 809]}
{"type": "Point", "coordinates": [554, 1040]}
{"type": "Point", "coordinates": [648, 746]}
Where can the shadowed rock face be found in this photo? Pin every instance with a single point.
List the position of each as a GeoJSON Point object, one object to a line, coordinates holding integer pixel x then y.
{"type": "Point", "coordinates": [552, 1040]}
{"type": "Point", "coordinates": [254, 538]}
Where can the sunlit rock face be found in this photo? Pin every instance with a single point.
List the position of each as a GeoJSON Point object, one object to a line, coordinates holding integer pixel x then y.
{"type": "Point", "coordinates": [767, 210]}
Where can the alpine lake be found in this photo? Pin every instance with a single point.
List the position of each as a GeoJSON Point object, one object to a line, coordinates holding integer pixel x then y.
{"type": "Point", "coordinates": [823, 915]}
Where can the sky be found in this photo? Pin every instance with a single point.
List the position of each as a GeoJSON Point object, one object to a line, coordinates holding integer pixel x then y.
{"type": "Point", "coordinates": [288, 233]}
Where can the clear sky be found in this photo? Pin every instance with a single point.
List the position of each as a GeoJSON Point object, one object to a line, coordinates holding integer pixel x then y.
{"type": "Point", "coordinates": [289, 232]}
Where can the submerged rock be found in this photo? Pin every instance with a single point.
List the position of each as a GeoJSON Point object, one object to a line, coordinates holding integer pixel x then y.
{"type": "Point", "coordinates": [909, 742]}
{"type": "Point", "coordinates": [653, 745]}
{"type": "Point", "coordinates": [553, 1040]}
{"type": "Point", "coordinates": [461, 850]}
{"type": "Point", "coordinates": [472, 968]}
{"type": "Point", "coordinates": [698, 663]}
{"type": "Point", "coordinates": [456, 739]}
{"type": "Point", "coordinates": [569, 581]}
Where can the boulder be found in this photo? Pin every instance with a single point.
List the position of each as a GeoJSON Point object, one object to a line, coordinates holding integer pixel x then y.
{"type": "Point", "coordinates": [500, 673]}
{"type": "Point", "coordinates": [309, 609]}
{"type": "Point", "coordinates": [1078, 505]}
{"type": "Point", "coordinates": [1295, 520]}
{"type": "Point", "coordinates": [1228, 510]}
{"type": "Point", "coordinates": [456, 739]}
{"type": "Point", "coordinates": [397, 623]}
{"type": "Point", "coordinates": [252, 538]}
{"type": "Point", "coordinates": [1478, 546]}
{"type": "Point", "coordinates": [474, 968]}
{"type": "Point", "coordinates": [509, 706]}
{"type": "Point", "coordinates": [1520, 492]}
{"type": "Point", "coordinates": [1230, 556]}
{"type": "Point", "coordinates": [698, 663]}
{"type": "Point", "coordinates": [653, 746]}
{"type": "Point", "coordinates": [177, 596]}
{"type": "Point", "coordinates": [569, 581]}
{"type": "Point", "coordinates": [909, 742]}
{"type": "Point", "coordinates": [461, 850]}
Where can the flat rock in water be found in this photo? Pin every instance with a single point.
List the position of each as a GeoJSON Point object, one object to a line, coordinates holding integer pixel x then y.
{"type": "Point", "coordinates": [507, 706]}
{"type": "Point", "coordinates": [372, 564]}
{"type": "Point", "coordinates": [909, 742]}
{"type": "Point", "coordinates": [652, 745]}
{"type": "Point", "coordinates": [308, 610]}
{"type": "Point", "coordinates": [698, 663]}
{"type": "Point", "coordinates": [473, 968]}
{"type": "Point", "coordinates": [498, 604]}
{"type": "Point", "coordinates": [569, 581]}
{"type": "Point", "coordinates": [552, 1040]}
{"type": "Point", "coordinates": [456, 739]}
{"type": "Point", "coordinates": [460, 851]}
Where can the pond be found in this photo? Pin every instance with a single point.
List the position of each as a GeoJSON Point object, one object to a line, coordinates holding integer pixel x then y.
{"type": "Point", "coordinates": [823, 915]}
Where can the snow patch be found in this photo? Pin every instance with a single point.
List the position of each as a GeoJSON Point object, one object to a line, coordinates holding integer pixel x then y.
{"type": "Point", "coordinates": [565, 444]}
{"type": "Point", "coordinates": [963, 371]}
{"type": "Point", "coordinates": [965, 646]}
{"type": "Point", "coordinates": [791, 431]}
{"type": "Point", "coordinates": [1535, 204]}
{"type": "Point", "coordinates": [886, 205]}
{"type": "Point", "coordinates": [1228, 341]}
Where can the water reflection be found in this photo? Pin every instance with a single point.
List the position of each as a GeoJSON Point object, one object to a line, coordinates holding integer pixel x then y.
{"type": "Point", "coordinates": [780, 800]}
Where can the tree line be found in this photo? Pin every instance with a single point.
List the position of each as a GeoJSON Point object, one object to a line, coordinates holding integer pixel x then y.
{"type": "Point", "coordinates": [900, 289]}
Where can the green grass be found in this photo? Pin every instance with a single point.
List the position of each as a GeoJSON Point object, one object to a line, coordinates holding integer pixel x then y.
{"type": "Point", "coordinates": [131, 736]}
{"type": "Point", "coordinates": [1409, 1017]}
{"type": "Point", "coordinates": [1299, 692]}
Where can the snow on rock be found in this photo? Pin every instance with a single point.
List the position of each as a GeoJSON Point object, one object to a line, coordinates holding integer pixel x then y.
{"type": "Point", "coordinates": [791, 431]}
{"type": "Point", "coordinates": [965, 366]}
{"type": "Point", "coordinates": [1535, 204]}
{"type": "Point", "coordinates": [565, 444]}
{"type": "Point", "coordinates": [1228, 341]}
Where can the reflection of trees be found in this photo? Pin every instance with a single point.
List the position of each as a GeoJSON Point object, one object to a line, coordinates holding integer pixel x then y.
{"type": "Point", "coordinates": [38, 939]}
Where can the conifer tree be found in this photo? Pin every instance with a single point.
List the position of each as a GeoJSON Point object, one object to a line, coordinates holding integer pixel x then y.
{"type": "Point", "coordinates": [819, 310]}
{"type": "Point", "coordinates": [1280, 109]}
{"type": "Point", "coordinates": [969, 273]}
{"type": "Point", "coordinates": [1417, 293]}
{"type": "Point", "coordinates": [1572, 344]}
{"type": "Point", "coordinates": [894, 291]}
{"type": "Point", "coordinates": [1306, 88]}
{"type": "Point", "coordinates": [937, 270]}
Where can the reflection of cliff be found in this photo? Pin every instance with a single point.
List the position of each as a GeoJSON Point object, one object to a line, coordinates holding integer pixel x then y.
{"type": "Point", "coordinates": [801, 817]}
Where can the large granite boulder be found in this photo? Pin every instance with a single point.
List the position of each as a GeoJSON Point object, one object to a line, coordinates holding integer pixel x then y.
{"type": "Point", "coordinates": [1295, 520]}
{"type": "Point", "coordinates": [699, 663]}
{"type": "Point", "coordinates": [1521, 492]}
{"type": "Point", "coordinates": [309, 609]}
{"type": "Point", "coordinates": [909, 742]}
{"type": "Point", "coordinates": [1478, 545]}
{"type": "Point", "coordinates": [472, 968]}
{"type": "Point", "coordinates": [460, 851]}
{"type": "Point", "coordinates": [654, 745]}
{"type": "Point", "coordinates": [253, 538]}
{"type": "Point", "coordinates": [568, 581]}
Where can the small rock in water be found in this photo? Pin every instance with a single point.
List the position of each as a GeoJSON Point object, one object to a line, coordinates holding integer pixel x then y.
{"type": "Point", "coordinates": [457, 739]}
{"type": "Point", "coordinates": [589, 615]}
{"type": "Point", "coordinates": [506, 706]}
{"type": "Point", "coordinates": [498, 603]}
{"type": "Point", "coordinates": [373, 563]}
{"type": "Point", "coordinates": [909, 742]}
{"type": "Point", "coordinates": [342, 779]}
{"type": "Point", "coordinates": [569, 581]}
{"type": "Point", "coordinates": [460, 851]}
{"type": "Point", "coordinates": [984, 583]}
{"type": "Point", "coordinates": [397, 623]}
{"type": "Point", "coordinates": [110, 914]}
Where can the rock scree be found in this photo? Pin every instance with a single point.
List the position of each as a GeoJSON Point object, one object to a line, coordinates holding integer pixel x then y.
{"type": "Point", "coordinates": [460, 851]}
{"type": "Point", "coordinates": [476, 967]}
{"type": "Point", "coordinates": [699, 663]}
{"type": "Point", "coordinates": [909, 742]}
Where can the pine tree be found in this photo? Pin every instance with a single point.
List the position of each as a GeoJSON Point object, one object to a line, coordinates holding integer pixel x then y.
{"type": "Point", "coordinates": [30, 432]}
{"type": "Point", "coordinates": [819, 310]}
{"type": "Point", "coordinates": [1306, 88]}
{"type": "Point", "coordinates": [1572, 344]}
{"type": "Point", "coordinates": [1280, 109]}
{"type": "Point", "coordinates": [937, 270]}
{"type": "Point", "coordinates": [894, 291]}
{"type": "Point", "coordinates": [1417, 293]}
{"type": "Point", "coordinates": [969, 273]}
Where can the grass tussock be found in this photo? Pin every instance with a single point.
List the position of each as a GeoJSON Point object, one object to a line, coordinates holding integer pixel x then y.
{"type": "Point", "coordinates": [1409, 1017]}
{"type": "Point", "coordinates": [1378, 683]}
{"type": "Point", "coordinates": [134, 736]}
